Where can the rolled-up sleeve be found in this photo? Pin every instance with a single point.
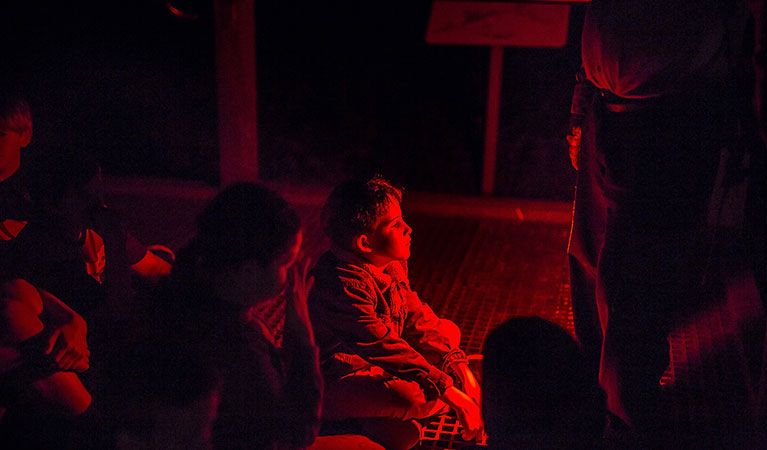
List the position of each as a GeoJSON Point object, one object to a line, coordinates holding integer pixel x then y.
{"type": "Point", "coordinates": [435, 338]}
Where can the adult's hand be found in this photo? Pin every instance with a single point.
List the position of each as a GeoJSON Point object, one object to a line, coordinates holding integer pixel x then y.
{"type": "Point", "coordinates": [574, 144]}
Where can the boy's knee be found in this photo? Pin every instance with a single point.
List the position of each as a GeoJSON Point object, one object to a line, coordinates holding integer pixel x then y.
{"type": "Point", "coordinates": [428, 409]}
{"type": "Point", "coordinates": [450, 330]}
{"type": "Point", "coordinates": [410, 400]}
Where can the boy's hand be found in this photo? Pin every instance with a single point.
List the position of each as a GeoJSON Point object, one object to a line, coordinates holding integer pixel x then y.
{"type": "Point", "coordinates": [298, 326]}
{"type": "Point", "coordinates": [64, 338]}
{"type": "Point", "coordinates": [301, 283]}
{"type": "Point", "coordinates": [469, 382]}
{"type": "Point", "coordinates": [468, 412]}
{"type": "Point", "coordinates": [67, 345]}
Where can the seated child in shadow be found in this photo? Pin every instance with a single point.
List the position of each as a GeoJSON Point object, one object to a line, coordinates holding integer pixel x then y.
{"type": "Point", "coordinates": [67, 192]}
{"type": "Point", "coordinates": [385, 355]}
{"type": "Point", "coordinates": [537, 392]}
{"type": "Point", "coordinates": [64, 224]}
{"type": "Point", "coordinates": [42, 348]}
{"type": "Point", "coordinates": [216, 376]}
{"type": "Point", "coordinates": [52, 210]}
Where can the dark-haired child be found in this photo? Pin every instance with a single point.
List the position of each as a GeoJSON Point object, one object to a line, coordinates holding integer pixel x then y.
{"type": "Point", "coordinates": [537, 389]}
{"type": "Point", "coordinates": [42, 338]}
{"type": "Point", "coordinates": [247, 243]}
{"type": "Point", "coordinates": [385, 355]}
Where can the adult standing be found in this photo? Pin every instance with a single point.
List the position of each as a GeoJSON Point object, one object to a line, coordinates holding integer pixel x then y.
{"type": "Point", "coordinates": [660, 86]}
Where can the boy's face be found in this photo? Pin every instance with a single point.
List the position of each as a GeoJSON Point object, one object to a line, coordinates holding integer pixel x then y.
{"type": "Point", "coordinates": [276, 274]}
{"type": "Point", "coordinates": [390, 238]}
{"type": "Point", "coordinates": [11, 143]}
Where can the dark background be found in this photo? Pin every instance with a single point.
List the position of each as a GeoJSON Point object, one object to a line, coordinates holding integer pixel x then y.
{"type": "Point", "coordinates": [344, 88]}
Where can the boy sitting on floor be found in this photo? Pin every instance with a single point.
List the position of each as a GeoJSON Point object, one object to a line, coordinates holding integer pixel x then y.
{"type": "Point", "coordinates": [384, 354]}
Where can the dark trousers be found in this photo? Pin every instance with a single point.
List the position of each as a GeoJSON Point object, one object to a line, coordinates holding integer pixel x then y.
{"type": "Point", "coordinates": [638, 237]}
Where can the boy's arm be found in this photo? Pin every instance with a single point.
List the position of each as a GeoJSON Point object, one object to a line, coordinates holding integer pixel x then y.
{"type": "Point", "coordinates": [145, 262]}
{"type": "Point", "coordinates": [437, 339]}
{"type": "Point", "coordinates": [350, 313]}
{"type": "Point", "coordinates": [25, 377]}
{"type": "Point", "coordinates": [151, 266]}
{"type": "Point", "coordinates": [148, 262]}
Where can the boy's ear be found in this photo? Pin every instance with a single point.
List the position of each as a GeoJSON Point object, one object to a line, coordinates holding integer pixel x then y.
{"type": "Point", "coordinates": [26, 137]}
{"type": "Point", "coordinates": [362, 244]}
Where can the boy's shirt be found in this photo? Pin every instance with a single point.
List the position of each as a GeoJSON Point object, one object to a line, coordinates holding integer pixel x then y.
{"type": "Point", "coordinates": [15, 205]}
{"type": "Point", "coordinates": [362, 316]}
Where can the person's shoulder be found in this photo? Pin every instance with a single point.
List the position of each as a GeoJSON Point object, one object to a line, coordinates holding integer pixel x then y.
{"type": "Point", "coordinates": [330, 265]}
{"type": "Point", "coordinates": [334, 274]}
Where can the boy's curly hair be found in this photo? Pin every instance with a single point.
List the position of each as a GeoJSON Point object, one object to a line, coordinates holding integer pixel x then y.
{"type": "Point", "coordinates": [15, 114]}
{"type": "Point", "coordinates": [354, 206]}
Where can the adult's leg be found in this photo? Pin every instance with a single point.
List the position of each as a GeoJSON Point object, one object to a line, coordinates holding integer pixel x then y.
{"type": "Point", "coordinates": [586, 237]}
{"type": "Point", "coordinates": [660, 166]}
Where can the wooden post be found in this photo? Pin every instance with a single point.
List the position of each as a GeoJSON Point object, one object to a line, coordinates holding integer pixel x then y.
{"type": "Point", "coordinates": [236, 82]}
{"type": "Point", "coordinates": [491, 123]}
{"type": "Point", "coordinates": [518, 23]}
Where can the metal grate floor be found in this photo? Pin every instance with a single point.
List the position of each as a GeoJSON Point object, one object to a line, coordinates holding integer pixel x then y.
{"type": "Point", "coordinates": [480, 272]}
{"type": "Point", "coordinates": [500, 268]}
